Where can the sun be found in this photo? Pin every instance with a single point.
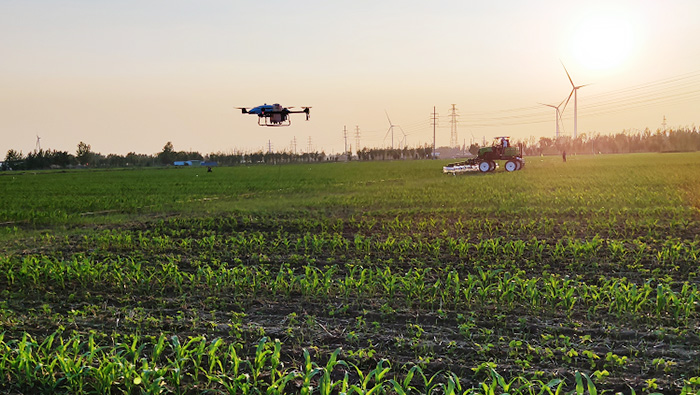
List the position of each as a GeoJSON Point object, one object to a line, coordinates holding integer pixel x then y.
{"type": "Point", "coordinates": [603, 41]}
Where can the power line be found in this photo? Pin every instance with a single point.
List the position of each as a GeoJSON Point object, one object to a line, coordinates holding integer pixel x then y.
{"type": "Point", "coordinates": [684, 88]}
{"type": "Point", "coordinates": [678, 89]}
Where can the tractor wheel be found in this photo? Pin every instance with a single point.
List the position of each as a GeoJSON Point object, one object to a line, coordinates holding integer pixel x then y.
{"type": "Point", "coordinates": [492, 165]}
{"type": "Point", "coordinates": [521, 164]}
{"type": "Point", "coordinates": [484, 166]}
{"type": "Point", "coordinates": [511, 165]}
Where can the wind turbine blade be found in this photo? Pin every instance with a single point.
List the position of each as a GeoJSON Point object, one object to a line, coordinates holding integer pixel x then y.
{"type": "Point", "coordinates": [387, 117]}
{"type": "Point", "coordinates": [567, 74]}
{"type": "Point", "coordinates": [569, 98]}
{"type": "Point", "coordinates": [387, 133]}
{"type": "Point", "coordinates": [404, 133]}
{"type": "Point", "coordinates": [548, 105]}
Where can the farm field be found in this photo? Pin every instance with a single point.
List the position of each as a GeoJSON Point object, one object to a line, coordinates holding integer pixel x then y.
{"type": "Point", "coordinates": [576, 277]}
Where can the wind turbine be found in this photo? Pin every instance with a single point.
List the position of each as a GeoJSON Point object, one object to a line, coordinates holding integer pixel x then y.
{"type": "Point", "coordinates": [391, 129]}
{"type": "Point", "coordinates": [37, 147]}
{"type": "Point", "coordinates": [574, 91]}
{"type": "Point", "coordinates": [404, 139]}
{"type": "Point", "coordinates": [557, 115]}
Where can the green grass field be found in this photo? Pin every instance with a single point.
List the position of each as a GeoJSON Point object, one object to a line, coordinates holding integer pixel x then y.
{"type": "Point", "coordinates": [354, 278]}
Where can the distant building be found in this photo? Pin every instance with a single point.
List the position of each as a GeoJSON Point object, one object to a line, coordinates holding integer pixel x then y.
{"type": "Point", "coordinates": [194, 162]}
{"type": "Point", "coordinates": [188, 163]}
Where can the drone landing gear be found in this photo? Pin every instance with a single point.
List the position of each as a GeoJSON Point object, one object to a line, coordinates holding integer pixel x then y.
{"type": "Point", "coordinates": [268, 122]}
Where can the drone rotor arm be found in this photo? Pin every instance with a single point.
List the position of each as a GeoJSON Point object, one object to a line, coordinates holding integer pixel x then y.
{"type": "Point", "coordinates": [306, 110]}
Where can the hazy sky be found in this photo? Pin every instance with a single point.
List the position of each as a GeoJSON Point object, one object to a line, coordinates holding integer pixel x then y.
{"type": "Point", "coordinates": [132, 75]}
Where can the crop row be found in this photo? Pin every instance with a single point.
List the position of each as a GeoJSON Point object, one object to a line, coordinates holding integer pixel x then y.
{"type": "Point", "coordinates": [665, 260]}
{"type": "Point", "coordinates": [80, 364]}
{"type": "Point", "coordinates": [324, 243]}
{"type": "Point", "coordinates": [336, 243]}
{"type": "Point", "coordinates": [424, 288]}
{"type": "Point", "coordinates": [623, 223]}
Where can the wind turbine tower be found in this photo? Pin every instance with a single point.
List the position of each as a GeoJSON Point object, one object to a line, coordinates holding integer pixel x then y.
{"type": "Point", "coordinates": [404, 140]}
{"type": "Point", "coordinates": [574, 91]}
{"type": "Point", "coordinates": [557, 116]}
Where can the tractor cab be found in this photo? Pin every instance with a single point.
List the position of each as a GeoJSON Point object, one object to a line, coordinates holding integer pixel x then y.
{"type": "Point", "coordinates": [501, 143]}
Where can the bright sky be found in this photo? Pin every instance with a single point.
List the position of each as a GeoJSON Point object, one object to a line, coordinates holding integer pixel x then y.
{"type": "Point", "coordinates": [132, 75]}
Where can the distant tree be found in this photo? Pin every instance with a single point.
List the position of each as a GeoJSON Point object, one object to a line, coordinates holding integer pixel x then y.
{"type": "Point", "coordinates": [545, 143]}
{"type": "Point", "coordinates": [185, 155]}
{"type": "Point", "coordinates": [562, 144]}
{"type": "Point", "coordinates": [114, 160]}
{"type": "Point", "coordinates": [60, 158]}
{"type": "Point", "coordinates": [13, 155]}
{"type": "Point", "coordinates": [134, 159]}
{"type": "Point", "coordinates": [83, 154]}
{"type": "Point", "coordinates": [37, 160]}
{"type": "Point", "coordinates": [167, 156]}
{"type": "Point", "coordinates": [12, 159]}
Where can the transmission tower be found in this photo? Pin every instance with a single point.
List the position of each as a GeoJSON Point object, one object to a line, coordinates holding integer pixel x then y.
{"type": "Point", "coordinates": [345, 137]}
{"type": "Point", "coordinates": [294, 145]}
{"type": "Point", "coordinates": [357, 137]}
{"type": "Point", "coordinates": [309, 147]}
{"type": "Point", "coordinates": [454, 141]}
{"type": "Point", "coordinates": [433, 123]}
{"type": "Point", "coordinates": [663, 124]}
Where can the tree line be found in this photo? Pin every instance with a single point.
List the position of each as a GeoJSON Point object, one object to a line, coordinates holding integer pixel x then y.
{"type": "Point", "coordinates": [683, 139]}
{"type": "Point", "coordinates": [679, 140]}
{"type": "Point", "coordinates": [85, 157]}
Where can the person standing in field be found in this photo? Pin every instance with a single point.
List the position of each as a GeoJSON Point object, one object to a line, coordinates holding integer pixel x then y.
{"type": "Point", "coordinates": [563, 155]}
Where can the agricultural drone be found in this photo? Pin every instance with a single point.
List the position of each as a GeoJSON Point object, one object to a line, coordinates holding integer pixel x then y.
{"type": "Point", "coordinates": [274, 114]}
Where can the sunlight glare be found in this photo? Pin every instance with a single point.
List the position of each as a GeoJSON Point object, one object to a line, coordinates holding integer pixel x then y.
{"type": "Point", "coordinates": [603, 42]}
